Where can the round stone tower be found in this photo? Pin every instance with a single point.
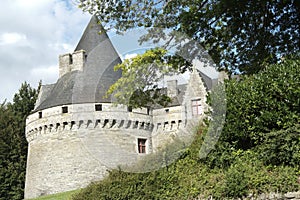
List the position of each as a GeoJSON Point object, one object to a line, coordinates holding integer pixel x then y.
{"type": "Point", "coordinates": [76, 132]}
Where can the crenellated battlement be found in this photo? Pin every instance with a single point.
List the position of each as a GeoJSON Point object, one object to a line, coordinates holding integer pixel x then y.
{"type": "Point", "coordinates": [86, 116]}
{"type": "Point", "coordinates": [113, 124]}
{"type": "Point", "coordinates": [105, 116]}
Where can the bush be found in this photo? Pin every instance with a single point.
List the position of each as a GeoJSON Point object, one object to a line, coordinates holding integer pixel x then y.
{"type": "Point", "coordinates": [259, 110]}
{"type": "Point", "coordinates": [281, 147]}
{"type": "Point", "coordinates": [262, 103]}
{"type": "Point", "coordinates": [258, 151]}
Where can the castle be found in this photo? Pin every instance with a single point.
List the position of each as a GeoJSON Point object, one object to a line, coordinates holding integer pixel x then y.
{"type": "Point", "coordinates": [75, 134]}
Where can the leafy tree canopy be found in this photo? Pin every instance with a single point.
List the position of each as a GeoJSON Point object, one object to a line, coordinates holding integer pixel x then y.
{"type": "Point", "coordinates": [263, 113]}
{"type": "Point", "coordinates": [142, 74]}
{"type": "Point", "coordinates": [239, 35]}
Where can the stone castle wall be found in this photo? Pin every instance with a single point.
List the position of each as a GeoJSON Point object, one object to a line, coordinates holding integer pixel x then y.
{"type": "Point", "coordinates": [69, 150]}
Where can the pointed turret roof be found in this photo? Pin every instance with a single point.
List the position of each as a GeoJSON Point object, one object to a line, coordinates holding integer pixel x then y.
{"type": "Point", "coordinates": [93, 35]}
{"type": "Point", "coordinates": [91, 84]}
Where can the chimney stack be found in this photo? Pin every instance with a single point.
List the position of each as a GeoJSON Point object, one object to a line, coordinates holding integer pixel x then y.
{"type": "Point", "coordinates": [172, 90]}
{"type": "Point", "coordinates": [71, 62]}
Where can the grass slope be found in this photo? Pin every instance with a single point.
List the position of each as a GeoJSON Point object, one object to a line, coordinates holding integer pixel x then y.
{"type": "Point", "coordinates": [59, 196]}
{"type": "Point", "coordinates": [191, 178]}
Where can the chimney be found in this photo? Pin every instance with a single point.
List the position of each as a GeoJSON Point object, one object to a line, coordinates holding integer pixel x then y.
{"type": "Point", "coordinates": [65, 62]}
{"type": "Point", "coordinates": [79, 58]}
{"type": "Point", "coordinates": [71, 62]}
{"type": "Point", "coordinates": [172, 90]}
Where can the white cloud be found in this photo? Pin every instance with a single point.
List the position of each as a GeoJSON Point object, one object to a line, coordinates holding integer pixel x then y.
{"type": "Point", "coordinates": [47, 74]}
{"type": "Point", "coordinates": [129, 56]}
{"type": "Point", "coordinates": [33, 33]}
{"type": "Point", "coordinates": [12, 38]}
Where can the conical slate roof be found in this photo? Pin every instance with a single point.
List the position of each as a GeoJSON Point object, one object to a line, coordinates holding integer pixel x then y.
{"type": "Point", "coordinates": [93, 35]}
{"type": "Point", "coordinates": [91, 84]}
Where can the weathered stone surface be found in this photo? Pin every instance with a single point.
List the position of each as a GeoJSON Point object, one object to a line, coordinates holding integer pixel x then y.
{"type": "Point", "coordinates": [71, 143]}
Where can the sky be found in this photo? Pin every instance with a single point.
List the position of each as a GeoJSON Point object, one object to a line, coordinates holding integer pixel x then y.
{"type": "Point", "coordinates": [34, 33]}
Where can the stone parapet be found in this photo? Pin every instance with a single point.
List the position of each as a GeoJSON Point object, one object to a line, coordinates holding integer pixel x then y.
{"type": "Point", "coordinates": [84, 116]}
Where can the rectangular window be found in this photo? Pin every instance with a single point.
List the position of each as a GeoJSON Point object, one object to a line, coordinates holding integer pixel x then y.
{"type": "Point", "coordinates": [129, 109]}
{"type": "Point", "coordinates": [98, 107]}
{"type": "Point", "coordinates": [148, 111]}
{"type": "Point", "coordinates": [64, 109]}
{"type": "Point", "coordinates": [196, 107]}
{"type": "Point", "coordinates": [40, 115]}
{"type": "Point", "coordinates": [142, 145]}
{"type": "Point", "coordinates": [70, 59]}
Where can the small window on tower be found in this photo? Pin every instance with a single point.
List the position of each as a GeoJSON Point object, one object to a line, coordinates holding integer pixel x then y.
{"type": "Point", "coordinates": [70, 59]}
{"type": "Point", "coordinates": [64, 109]}
{"type": "Point", "coordinates": [148, 111]}
{"type": "Point", "coordinates": [142, 145]}
{"type": "Point", "coordinates": [40, 115]}
{"type": "Point", "coordinates": [98, 107]}
{"type": "Point", "coordinates": [129, 109]}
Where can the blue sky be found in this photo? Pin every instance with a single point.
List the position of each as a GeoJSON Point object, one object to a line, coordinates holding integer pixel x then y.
{"type": "Point", "coordinates": [34, 32]}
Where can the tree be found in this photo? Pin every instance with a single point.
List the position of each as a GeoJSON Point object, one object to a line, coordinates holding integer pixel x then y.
{"type": "Point", "coordinates": [238, 35]}
{"type": "Point", "coordinates": [24, 100]}
{"type": "Point", "coordinates": [263, 114]}
{"type": "Point", "coordinates": [265, 102]}
{"type": "Point", "coordinates": [13, 144]}
{"type": "Point", "coordinates": [141, 75]}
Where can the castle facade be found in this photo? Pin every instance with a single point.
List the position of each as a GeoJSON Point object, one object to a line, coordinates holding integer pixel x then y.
{"type": "Point", "coordinates": [75, 134]}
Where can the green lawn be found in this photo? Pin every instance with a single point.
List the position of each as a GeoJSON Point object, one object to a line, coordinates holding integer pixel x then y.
{"type": "Point", "coordinates": [59, 196]}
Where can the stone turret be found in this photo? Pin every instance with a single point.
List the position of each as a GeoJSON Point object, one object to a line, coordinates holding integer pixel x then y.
{"type": "Point", "coordinates": [172, 89]}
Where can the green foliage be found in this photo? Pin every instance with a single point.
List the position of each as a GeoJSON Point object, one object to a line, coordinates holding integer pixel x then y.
{"type": "Point", "coordinates": [258, 151]}
{"type": "Point", "coordinates": [260, 109]}
{"type": "Point", "coordinates": [24, 100]}
{"type": "Point", "coordinates": [12, 161]}
{"type": "Point", "coordinates": [281, 147]}
{"type": "Point", "coordinates": [187, 178]}
{"type": "Point", "coordinates": [262, 103]}
{"type": "Point", "coordinates": [248, 174]}
{"type": "Point", "coordinates": [141, 75]}
{"type": "Point", "coordinates": [13, 144]}
{"type": "Point", "coordinates": [59, 196]}
{"type": "Point", "coordinates": [242, 35]}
